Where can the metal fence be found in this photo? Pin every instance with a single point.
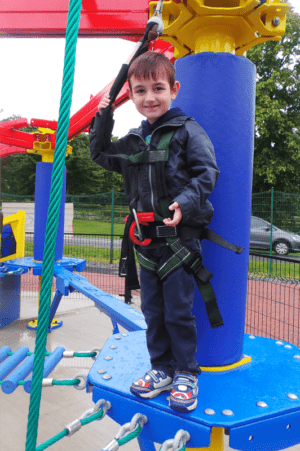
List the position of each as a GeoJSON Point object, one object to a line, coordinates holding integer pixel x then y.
{"type": "Point", "coordinates": [273, 306]}
{"type": "Point", "coordinates": [275, 222]}
{"type": "Point", "coordinates": [108, 207]}
{"type": "Point", "coordinates": [102, 254]}
{"type": "Point", "coordinates": [273, 297]}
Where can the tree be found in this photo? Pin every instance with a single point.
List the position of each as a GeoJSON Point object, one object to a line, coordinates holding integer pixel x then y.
{"type": "Point", "coordinates": [86, 177]}
{"type": "Point", "coordinates": [277, 133]}
{"type": "Point", "coordinates": [83, 176]}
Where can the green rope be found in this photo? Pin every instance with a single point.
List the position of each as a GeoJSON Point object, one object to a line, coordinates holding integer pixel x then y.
{"type": "Point", "coordinates": [131, 436]}
{"type": "Point", "coordinates": [71, 382]}
{"type": "Point", "coordinates": [52, 221]}
{"type": "Point", "coordinates": [76, 354]}
{"type": "Point", "coordinates": [52, 440]}
{"type": "Point", "coordinates": [64, 433]}
{"type": "Point", "coordinates": [29, 353]}
{"type": "Point", "coordinates": [55, 382]}
{"type": "Point", "coordinates": [95, 416]}
{"type": "Point", "coordinates": [85, 354]}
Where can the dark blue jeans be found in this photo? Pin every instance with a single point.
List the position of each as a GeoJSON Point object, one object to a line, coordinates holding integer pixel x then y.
{"type": "Point", "coordinates": [171, 328]}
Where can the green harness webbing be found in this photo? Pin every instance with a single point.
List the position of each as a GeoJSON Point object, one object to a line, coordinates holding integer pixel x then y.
{"type": "Point", "coordinates": [178, 254]}
{"type": "Point", "coordinates": [181, 255]}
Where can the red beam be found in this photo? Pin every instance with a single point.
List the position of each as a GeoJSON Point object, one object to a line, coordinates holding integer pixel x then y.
{"type": "Point", "coordinates": [99, 18]}
{"type": "Point", "coordinates": [78, 122]}
{"type": "Point", "coordinates": [5, 150]}
{"type": "Point", "coordinates": [16, 123]}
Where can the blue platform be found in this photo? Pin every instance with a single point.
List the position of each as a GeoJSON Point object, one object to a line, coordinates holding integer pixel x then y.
{"type": "Point", "coordinates": [66, 282]}
{"type": "Point", "coordinates": [272, 375]}
{"type": "Point", "coordinates": [10, 287]}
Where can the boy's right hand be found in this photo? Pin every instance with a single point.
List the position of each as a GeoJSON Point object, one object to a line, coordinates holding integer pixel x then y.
{"type": "Point", "coordinates": [104, 102]}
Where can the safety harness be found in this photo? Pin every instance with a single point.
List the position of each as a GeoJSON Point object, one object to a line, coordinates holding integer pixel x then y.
{"type": "Point", "coordinates": [142, 228]}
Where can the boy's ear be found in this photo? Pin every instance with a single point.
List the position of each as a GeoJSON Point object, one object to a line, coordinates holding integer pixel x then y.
{"type": "Point", "coordinates": [174, 90]}
{"type": "Point", "coordinates": [129, 93]}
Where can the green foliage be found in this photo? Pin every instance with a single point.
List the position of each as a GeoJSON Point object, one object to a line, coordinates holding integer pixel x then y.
{"type": "Point", "coordinates": [86, 177]}
{"type": "Point", "coordinates": [277, 134]}
{"type": "Point", "coordinates": [18, 174]}
{"type": "Point", "coordinates": [83, 176]}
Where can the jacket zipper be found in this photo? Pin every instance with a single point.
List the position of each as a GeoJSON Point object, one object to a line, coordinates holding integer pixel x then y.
{"type": "Point", "coordinates": [148, 148]}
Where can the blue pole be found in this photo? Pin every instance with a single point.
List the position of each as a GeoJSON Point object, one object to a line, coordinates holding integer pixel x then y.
{"type": "Point", "coordinates": [42, 196]}
{"type": "Point", "coordinates": [218, 90]}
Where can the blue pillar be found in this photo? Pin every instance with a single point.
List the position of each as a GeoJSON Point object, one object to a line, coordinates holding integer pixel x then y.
{"type": "Point", "coordinates": [42, 195]}
{"type": "Point", "coordinates": [218, 90]}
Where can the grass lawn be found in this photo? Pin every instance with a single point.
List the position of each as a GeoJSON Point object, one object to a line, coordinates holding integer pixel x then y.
{"type": "Point", "coordinates": [82, 226]}
{"type": "Point", "coordinates": [280, 270]}
{"type": "Point", "coordinates": [89, 253]}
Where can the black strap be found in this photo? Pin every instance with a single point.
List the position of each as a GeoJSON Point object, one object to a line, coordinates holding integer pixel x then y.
{"type": "Point", "coordinates": [210, 235]}
{"type": "Point", "coordinates": [210, 303]}
{"type": "Point", "coordinates": [127, 266]}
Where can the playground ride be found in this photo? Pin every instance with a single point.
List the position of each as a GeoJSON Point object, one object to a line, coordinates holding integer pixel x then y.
{"type": "Point", "coordinates": [243, 388]}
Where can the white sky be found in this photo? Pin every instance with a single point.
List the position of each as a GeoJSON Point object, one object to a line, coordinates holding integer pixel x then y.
{"type": "Point", "coordinates": [31, 76]}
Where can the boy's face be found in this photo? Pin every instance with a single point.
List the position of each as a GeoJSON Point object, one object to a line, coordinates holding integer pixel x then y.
{"type": "Point", "coordinates": [152, 98]}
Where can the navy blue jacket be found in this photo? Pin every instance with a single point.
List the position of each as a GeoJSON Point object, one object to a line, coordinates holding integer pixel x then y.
{"type": "Point", "coordinates": [191, 171]}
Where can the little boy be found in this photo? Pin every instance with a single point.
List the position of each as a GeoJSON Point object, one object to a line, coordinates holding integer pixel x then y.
{"type": "Point", "coordinates": [186, 178]}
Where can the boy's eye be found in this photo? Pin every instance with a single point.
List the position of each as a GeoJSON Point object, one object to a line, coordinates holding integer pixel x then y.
{"type": "Point", "coordinates": [158, 88]}
{"type": "Point", "coordinates": [140, 91]}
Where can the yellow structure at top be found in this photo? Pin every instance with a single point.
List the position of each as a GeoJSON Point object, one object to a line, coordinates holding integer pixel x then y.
{"type": "Point", "coordinates": [43, 145]}
{"type": "Point", "coordinates": [231, 26]}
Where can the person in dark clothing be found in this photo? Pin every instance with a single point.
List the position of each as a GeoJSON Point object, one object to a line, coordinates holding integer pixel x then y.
{"type": "Point", "coordinates": [185, 178]}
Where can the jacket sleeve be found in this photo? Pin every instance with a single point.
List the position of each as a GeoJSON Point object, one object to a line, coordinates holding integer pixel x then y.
{"type": "Point", "coordinates": [103, 149]}
{"type": "Point", "coordinates": [202, 170]}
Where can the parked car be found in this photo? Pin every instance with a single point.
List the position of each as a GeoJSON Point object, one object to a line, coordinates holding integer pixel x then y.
{"type": "Point", "coordinates": [282, 242]}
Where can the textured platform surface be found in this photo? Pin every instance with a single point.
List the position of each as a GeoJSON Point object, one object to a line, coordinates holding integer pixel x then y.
{"type": "Point", "coordinates": [272, 375]}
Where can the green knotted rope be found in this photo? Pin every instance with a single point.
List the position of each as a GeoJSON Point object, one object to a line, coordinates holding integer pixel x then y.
{"type": "Point", "coordinates": [52, 221]}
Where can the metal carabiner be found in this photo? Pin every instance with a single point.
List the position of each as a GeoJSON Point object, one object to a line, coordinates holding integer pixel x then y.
{"type": "Point", "coordinates": [158, 9]}
{"type": "Point", "coordinates": [157, 18]}
{"type": "Point", "coordinates": [143, 219]}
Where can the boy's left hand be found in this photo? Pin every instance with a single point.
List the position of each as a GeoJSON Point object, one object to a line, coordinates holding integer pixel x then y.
{"type": "Point", "coordinates": [177, 215]}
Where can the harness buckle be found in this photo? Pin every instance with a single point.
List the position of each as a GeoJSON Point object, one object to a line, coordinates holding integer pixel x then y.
{"type": "Point", "coordinates": [122, 268]}
{"type": "Point", "coordinates": [166, 232]}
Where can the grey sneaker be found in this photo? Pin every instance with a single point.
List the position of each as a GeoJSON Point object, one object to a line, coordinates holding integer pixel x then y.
{"type": "Point", "coordinates": [151, 384]}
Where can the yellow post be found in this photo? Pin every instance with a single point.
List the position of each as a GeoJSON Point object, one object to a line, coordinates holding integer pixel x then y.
{"type": "Point", "coordinates": [17, 223]}
{"type": "Point", "coordinates": [34, 323]}
{"type": "Point", "coordinates": [216, 441]}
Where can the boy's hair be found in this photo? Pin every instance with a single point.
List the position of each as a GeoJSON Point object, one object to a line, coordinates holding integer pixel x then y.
{"type": "Point", "coordinates": [149, 65]}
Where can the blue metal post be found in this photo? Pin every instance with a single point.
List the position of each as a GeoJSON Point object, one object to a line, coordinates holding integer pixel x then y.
{"type": "Point", "coordinates": [218, 90]}
{"type": "Point", "coordinates": [42, 193]}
